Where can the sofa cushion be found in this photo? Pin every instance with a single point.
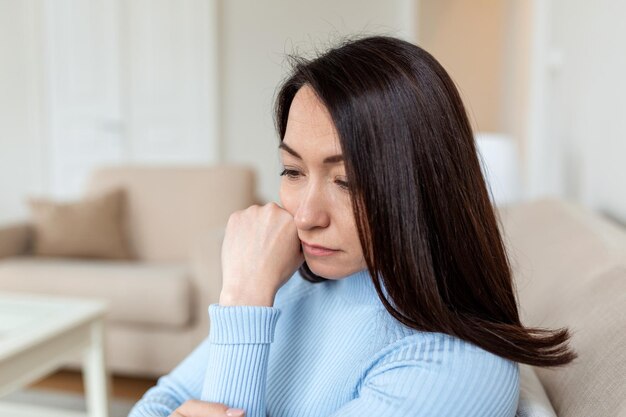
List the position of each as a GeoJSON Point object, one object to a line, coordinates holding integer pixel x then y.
{"type": "Point", "coordinates": [138, 293]}
{"type": "Point", "coordinates": [198, 199]}
{"type": "Point", "coordinates": [595, 311]}
{"type": "Point", "coordinates": [93, 227]}
{"type": "Point", "coordinates": [553, 245]}
{"type": "Point", "coordinates": [569, 265]}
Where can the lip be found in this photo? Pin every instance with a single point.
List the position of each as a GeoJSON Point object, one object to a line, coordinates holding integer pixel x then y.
{"type": "Point", "coordinates": [317, 250]}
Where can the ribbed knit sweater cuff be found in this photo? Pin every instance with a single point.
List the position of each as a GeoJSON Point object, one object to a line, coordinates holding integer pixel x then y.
{"type": "Point", "coordinates": [242, 324]}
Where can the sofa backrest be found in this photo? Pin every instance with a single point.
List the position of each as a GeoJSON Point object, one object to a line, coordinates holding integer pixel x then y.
{"type": "Point", "coordinates": [569, 267]}
{"type": "Point", "coordinates": [168, 208]}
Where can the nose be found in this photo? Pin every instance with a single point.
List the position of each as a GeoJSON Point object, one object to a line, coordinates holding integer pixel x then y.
{"type": "Point", "coordinates": [313, 209]}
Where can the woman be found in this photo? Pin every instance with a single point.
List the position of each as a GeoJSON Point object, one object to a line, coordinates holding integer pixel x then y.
{"type": "Point", "coordinates": [381, 179]}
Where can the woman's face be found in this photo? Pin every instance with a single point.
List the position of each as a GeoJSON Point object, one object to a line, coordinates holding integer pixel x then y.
{"type": "Point", "coordinates": [313, 189]}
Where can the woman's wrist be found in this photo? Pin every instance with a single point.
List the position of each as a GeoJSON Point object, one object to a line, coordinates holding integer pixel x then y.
{"type": "Point", "coordinates": [247, 298]}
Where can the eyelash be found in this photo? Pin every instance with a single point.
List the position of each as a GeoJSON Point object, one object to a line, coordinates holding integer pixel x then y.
{"type": "Point", "coordinates": [291, 173]}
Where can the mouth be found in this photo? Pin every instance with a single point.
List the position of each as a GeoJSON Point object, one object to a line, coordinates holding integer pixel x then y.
{"type": "Point", "coordinates": [316, 250]}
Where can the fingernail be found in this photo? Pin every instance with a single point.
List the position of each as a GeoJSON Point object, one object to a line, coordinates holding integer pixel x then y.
{"type": "Point", "coordinates": [234, 412]}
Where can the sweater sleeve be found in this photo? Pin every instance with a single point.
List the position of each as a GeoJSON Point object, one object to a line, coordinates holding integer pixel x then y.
{"type": "Point", "coordinates": [238, 352]}
{"type": "Point", "coordinates": [228, 367]}
{"type": "Point", "coordinates": [418, 380]}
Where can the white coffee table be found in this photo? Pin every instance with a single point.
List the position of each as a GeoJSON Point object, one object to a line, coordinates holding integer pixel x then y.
{"type": "Point", "coordinates": [38, 334]}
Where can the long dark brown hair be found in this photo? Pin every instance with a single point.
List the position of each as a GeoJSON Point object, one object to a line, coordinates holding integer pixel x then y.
{"type": "Point", "coordinates": [422, 208]}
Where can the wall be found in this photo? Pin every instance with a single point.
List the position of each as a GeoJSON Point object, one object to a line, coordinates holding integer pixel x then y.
{"type": "Point", "coordinates": [468, 38]}
{"type": "Point", "coordinates": [550, 74]}
{"type": "Point", "coordinates": [586, 102]}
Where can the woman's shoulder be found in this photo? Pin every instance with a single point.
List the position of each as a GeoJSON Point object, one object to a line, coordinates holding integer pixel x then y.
{"type": "Point", "coordinates": [447, 354]}
{"type": "Point", "coordinates": [439, 348]}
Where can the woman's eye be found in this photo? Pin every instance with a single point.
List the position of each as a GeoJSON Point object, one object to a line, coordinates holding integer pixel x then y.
{"type": "Point", "coordinates": [289, 173]}
{"type": "Point", "coordinates": [342, 184]}
{"type": "Point", "coordinates": [293, 174]}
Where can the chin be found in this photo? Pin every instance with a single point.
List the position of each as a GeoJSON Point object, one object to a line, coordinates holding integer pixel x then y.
{"type": "Point", "coordinates": [328, 270]}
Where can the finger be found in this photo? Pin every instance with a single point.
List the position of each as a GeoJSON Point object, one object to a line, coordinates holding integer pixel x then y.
{"type": "Point", "coordinates": [197, 408]}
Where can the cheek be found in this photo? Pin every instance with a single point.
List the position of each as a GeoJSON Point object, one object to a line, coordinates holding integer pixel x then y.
{"type": "Point", "coordinates": [345, 222]}
{"type": "Point", "coordinates": [353, 234]}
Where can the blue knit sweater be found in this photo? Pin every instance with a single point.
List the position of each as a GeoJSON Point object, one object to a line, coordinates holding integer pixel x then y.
{"type": "Point", "coordinates": [331, 349]}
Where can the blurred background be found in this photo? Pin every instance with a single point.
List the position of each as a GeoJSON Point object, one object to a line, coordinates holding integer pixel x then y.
{"type": "Point", "coordinates": [91, 82]}
{"type": "Point", "coordinates": [86, 84]}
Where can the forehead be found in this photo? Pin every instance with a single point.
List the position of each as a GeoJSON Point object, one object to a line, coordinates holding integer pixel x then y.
{"type": "Point", "coordinates": [309, 125]}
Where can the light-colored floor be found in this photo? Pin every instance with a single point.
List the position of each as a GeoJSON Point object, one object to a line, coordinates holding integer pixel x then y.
{"type": "Point", "coordinates": [72, 381]}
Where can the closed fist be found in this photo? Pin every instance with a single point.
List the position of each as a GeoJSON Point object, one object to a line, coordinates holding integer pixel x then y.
{"type": "Point", "coordinates": [260, 252]}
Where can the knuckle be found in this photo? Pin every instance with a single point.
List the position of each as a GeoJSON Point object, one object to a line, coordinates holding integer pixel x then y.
{"type": "Point", "coordinates": [275, 208]}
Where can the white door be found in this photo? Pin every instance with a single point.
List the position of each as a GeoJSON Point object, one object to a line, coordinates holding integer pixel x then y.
{"type": "Point", "coordinates": [128, 82]}
{"type": "Point", "coordinates": [171, 82]}
{"type": "Point", "coordinates": [83, 106]}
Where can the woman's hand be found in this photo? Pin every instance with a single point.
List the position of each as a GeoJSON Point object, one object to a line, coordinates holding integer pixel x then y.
{"type": "Point", "coordinates": [197, 408]}
{"type": "Point", "coordinates": [260, 252]}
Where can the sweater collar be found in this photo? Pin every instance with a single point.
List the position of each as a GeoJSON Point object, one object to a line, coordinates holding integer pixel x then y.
{"type": "Point", "coordinates": [357, 288]}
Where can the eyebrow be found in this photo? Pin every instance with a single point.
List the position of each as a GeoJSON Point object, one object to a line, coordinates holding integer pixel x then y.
{"type": "Point", "coordinates": [328, 160]}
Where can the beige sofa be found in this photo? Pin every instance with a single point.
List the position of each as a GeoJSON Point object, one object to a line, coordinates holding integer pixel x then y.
{"type": "Point", "coordinates": [570, 270]}
{"type": "Point", "coordinates": [158, 303]}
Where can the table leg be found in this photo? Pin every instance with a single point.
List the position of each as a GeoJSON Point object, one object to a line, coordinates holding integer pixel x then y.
{"type": "Point", "coordinates": [95, 376]}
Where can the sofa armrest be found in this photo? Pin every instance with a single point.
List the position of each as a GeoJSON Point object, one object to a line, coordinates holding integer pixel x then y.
{"type": "Point", "coordinates": [15, 239]}
{"type": "Point", "coordinates": [206, 270]}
